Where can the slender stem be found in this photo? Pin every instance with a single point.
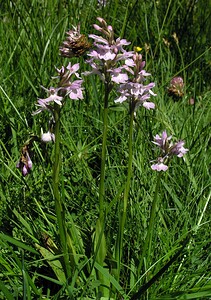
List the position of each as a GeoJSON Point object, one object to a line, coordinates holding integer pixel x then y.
{"type": "Point", "coordinates": [123, 213]}
{"type": "Point", "coordinates": [103, 155]}
{"type": "Point", "coordinates": [130, 161]}
{"type": "Point", "coordinates": [59, 207]}
{"type": "Point", "coordinates": [100, 237]}
{"type": "Point", "coordinates": [148, 240]}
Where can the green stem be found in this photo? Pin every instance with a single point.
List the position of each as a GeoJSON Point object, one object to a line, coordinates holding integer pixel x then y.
{"type": "Point", "coordinates": [103, 155]}
{"type": "Point", "coordinates": [148, 240]}
{"type": "Point", "coordinates": [59, 207]}
{"type": "Point", "coordinates": [100, 241]}
{"type": "Point", "coordinates": [123, 213]}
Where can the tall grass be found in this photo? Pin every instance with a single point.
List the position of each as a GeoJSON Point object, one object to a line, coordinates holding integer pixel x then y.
{"type": "Point", "coordinates": [176, 264]}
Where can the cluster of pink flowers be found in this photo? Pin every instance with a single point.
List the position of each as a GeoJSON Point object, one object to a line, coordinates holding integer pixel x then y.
{"type": "Point", "coordinates": [134, 88]}
{"type": "Point", "coordinates": [66, 88]}
{"type": "Point", "coordinates": [113, 64]}
{"type": "Point", "coordinates": [107, 54]}
{"type": "Point", "coordinates": [168, 149]}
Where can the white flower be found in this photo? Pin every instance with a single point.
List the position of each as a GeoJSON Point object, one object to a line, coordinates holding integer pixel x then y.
{"type": "Point", "coordinates": [48, 137]}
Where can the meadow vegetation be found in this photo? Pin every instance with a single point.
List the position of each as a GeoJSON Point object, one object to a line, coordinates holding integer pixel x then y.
{"type": "Point", "coordinates": [127, 232]}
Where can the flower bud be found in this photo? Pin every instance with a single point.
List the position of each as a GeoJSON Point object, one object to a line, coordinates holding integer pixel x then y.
{"type": "Point", "coordinates": [191, 101]}
{"type": "Point", "coordinates": [102, 21]}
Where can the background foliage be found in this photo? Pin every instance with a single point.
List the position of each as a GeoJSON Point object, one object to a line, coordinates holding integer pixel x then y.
{"type": "Point", "coordinates": [175, 39]}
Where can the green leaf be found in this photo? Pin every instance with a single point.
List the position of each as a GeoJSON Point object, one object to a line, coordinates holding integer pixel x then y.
{"type": "Point", "coordinates": [53, 262]}
{"type": "Point", "coordinates": [17, 243]}
{"type": "Point", "coordinates": [111, 279]}
{"type": "Point", "coordinates": [100, 243]}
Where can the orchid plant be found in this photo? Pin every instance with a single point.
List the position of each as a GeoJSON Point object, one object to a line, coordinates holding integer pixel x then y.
{"type": "Point", "coordinates": [122, 71]}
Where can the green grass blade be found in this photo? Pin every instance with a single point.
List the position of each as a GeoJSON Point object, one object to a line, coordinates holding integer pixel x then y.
{"type": "Point", "coordinates": [6, 292]}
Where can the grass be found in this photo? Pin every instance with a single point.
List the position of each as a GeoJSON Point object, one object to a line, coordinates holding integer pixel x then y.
{"type": "Point", "coordinates": [31, 259]}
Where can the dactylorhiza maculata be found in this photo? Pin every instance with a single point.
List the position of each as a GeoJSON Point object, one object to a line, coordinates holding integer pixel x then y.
{"type": "Point", "coordinates": [113, 64]}
{"type": "Point", "coordinates": [134, 89]}
{"type": "Point", "coordinates": [65, 88]}
{"type": "Point", "coordinates": [168, 149]}
{"type": "Point", "coordinates": [108, 59]}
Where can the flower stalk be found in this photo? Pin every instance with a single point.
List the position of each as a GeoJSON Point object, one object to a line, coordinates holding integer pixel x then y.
{"type": "Point", "coordinates": [168, 150]}
{"type": "Point", "coordinates": [103, 154]}
{"type": "Point", "coordinates": [100, 241]}
{"type": "Point", "coordinates": [110, 62]}
{"type": "Point", "coordinates": [138, 95]}
{"type": "Point", "coordinates": [123, 211]}
{"type": "Point", "coordinates": [59, 206]}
